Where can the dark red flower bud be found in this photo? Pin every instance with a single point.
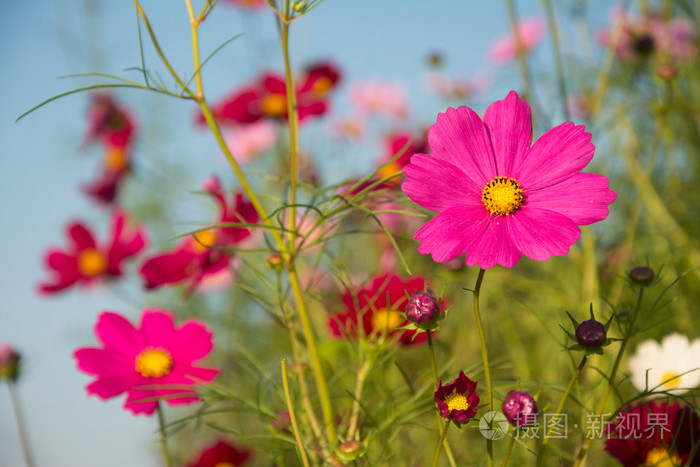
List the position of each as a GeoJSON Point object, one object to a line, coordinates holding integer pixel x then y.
{"type": "Point", "coordinates": [519, 408]}
{"type": "Point", "coordinates": [9, 362]}
{"type": "Point", "coordinates": [422, 309]}
{"type": "Point", "coordinates": [642, 275]}
{"type": "Point", "coordinates": [591, 334]}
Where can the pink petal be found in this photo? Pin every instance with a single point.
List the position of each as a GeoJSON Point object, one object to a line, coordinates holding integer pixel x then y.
{"type": "Point", "coordinates": [510, 126]}
{"type": "Point", "coordinates": [82, 237]}
{"type": "Point", "coordinates": [450, 233]}
{"type": "Point", "coordinates": [104, 362]}
{"type": "Point", "coordinates": [157, 328]}
{"type": "Point", "coordinates": [559, 154]}
{"type": "Point", "coordinates": [202, 375]}
{"type": "Point", "coordinates": [540, 234]}
{"type": "Point", "coordinates": [115, 332]}
{"type": "Point", "coordinates": [133, 405]}
{"type": "Point", "coordinates": [105, 388]}
{"type": "Point", "coordinates": [191, 342]}
{"type": "Point", "coordinates": [460, 138]}
{"type": "Point", "coordinates": [168, 268]}
{"type": "Point", "coordinates": [584, 198]}
{"type": "Point", "coordinates": [438, 185]}
{"type": "Point", "coordinates": [494, 246]}
{"type": "Point", "coordinates": [59, 260]}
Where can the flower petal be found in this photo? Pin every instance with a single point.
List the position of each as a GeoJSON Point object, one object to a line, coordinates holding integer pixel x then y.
{"type": "Point", "coordinates": [158, 328]}
{"type": "Point", "coordinates": [438, 185]}
{"type": "Point", "coordinates": [460, 138]}
{"type": "Point", "coordinates": [540, 234]}
{"type": "Point", "coordinates": [494, 246]}
{"type": "Point", "coordinates": [104, 362]}
{"type": "Point", "coordinates": [559, 154]}
{"type": "Point", "coordinates": [450, 233]}
{"type": "Point", "coordinates": [191, 342]}
{"type": "Point", "coordinates": [81, 236]}
{"type": "Point", "coordinates": [583, 198]}
{"type": "Point", "coordinates": [115, 332]}
{"type": "Point", "coordinates": [106, 388]}
{"type": "Point", "coordinates": [510, 126]}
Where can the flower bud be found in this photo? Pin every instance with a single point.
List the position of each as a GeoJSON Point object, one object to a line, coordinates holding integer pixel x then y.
{"type": "Point", "coordinates": [422, 309]}
{"type": "Point", "coordinates": [350, 450]}
{"type": "Point", "coordinates": [519, 408]}
{"type": "Point", "coordinates": [591, 334]}
{"type": "Point", "coordinates": [9, 363]}
{"type": "Point", "coordinates": [642, 275]}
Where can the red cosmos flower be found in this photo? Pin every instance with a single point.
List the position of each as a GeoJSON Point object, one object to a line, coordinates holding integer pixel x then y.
{"type": "Point", "coordinates": [109, 122]}
{"type": "Point", "coordinates": [116, 164]}
{"type": "Point", "coordinates": [267, 97]}
{"type": "Point", "coordinates": [654, 434]}
{"type": "Point", "coordinates": [84, 261]}
{"type": "Point", "coordinates": [194, 258]}
{"type": "Point", "coordinates": [381, 306]}
{"type": "Point", "coordinates": [407, 145]}
{"type": "Point", "coordinates": [154, 360]}
{"type": "Point", "coordinates": [222, 454]}
{"type": "Point", "coordinates": [457, 400]}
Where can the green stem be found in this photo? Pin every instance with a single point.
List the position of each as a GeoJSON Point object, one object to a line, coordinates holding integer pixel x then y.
{"type": "Point", "coordinates": [443, 434]}
{"type": "Point", "coordinates": [484, 358]}
{"type": "Point", "coordinates": [560, 407]}
{"type": "Point", "coordinates": [362, 373]}
{"type": "Point", "coordinates": [629, 331]}
{"type": "Point", "coordinates": [433, 364]}
{"type": "Point", "coordinates": [292, 416]}
{"type": "Point", "coordinates": [511, 443]}
{"type": "Point", "coordinates": [559, 67]}
{"type": "Point", "coordinates": [321, 385]}
{"type": "Point", "coordinates": [21, 429]}
{"type": "Point", "coordinates": [163, 439]}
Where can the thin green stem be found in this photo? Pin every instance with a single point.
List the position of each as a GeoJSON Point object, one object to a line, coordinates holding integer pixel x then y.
{"type": "Point", "coordinates": [292, 416]}
{"type": "Point", "coordinates": [21, 428]}
{"type": "Point", "coordinates": [484, 358]}
{"type": "Point", "coordinates": [560, 407]}
{"type": "Point", "coordinates": [436, 379]}
{"type": "Point", "coordinates": [443, 434]}
{"type": "Point", "coordinates": [629, 332]}
{"type": "Point", "coordinates": [362, 373]}
{"type": "Point", "coordinates": [511, 443]}
{"type": "Point", "coordinates": [558, 65]}
{"type": "Point", "coordinates": [520, 49]}
{"type": "Point", "coordinates": [316, 366]}
{"type": "Point", "coordinates": [163, 438]}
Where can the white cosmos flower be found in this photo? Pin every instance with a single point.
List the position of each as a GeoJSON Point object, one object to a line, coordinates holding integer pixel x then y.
{"type": "Point", "coordinates": [675, 363]}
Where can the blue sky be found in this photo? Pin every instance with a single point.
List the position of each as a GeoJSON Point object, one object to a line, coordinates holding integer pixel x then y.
{"type": "Point", "coordinates": [43, 165]}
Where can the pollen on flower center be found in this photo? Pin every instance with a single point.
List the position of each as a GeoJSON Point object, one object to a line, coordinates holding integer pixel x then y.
{"type": "Point", "coordinates": [224, 464]}
{"type": "Point", "coordinates": [322, 85]}
{"type": "Point", "coordinates": [154, 363]}
{"type": "Point", "coordinates": [660, 457]}
{"type": "Point", "coordinates": [456, 401]}
{"type": "Point", "coordinates": [389, 170]}
{"type": "Point", "coordinates": [115, 158]}
{"type": "Point", "coordinates": [274, 105]}
{"type": "Point", "coordinates": [502, 196]}
{"type": "Point", "coordinates": [385, 320]}
{"type": "Point", "coordinates": [671, 379]}
{"type": "Point", "coordinates": [203, 240]}
{"type": "Point", "coordinates": [91, 262]}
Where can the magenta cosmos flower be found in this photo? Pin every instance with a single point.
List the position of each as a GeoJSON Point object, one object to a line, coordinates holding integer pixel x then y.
{"type": "Point", "coordinates": [155, 360]}
{"type": "Point", "coordinates": [457, 400]}
{"type": "Point", "coordinates": [530, 34]}
{"type": "Point", "coordinates": [222, 454]}
{"type": "Point", "coordinates": [201, 256]}
{"type": "Point", "coordinates": [498, 196]}
{"type": "Point", "coordinates": [84, 260]}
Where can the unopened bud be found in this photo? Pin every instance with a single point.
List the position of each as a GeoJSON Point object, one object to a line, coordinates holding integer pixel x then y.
{"type": "Point", "coordinates": [642, 275]}
{"type": "Point", "coordinates": [422, 309]}
{"type": "Point", "coordinates": [591, 334]}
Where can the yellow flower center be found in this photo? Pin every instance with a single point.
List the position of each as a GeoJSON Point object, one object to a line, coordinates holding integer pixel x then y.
{"type": "Point", "coordinates": [203, 240]}
{"type": "Point", "coordinates": [154, 363]}
{"type": "Point", "coordinates": [224, 464]}
{"type": "Point", "coordinates": [502, 196]}
{"type": "Point", "coordinates": [671, 379]}
{"type": "Point", "coordinates": [384, 320]}
{"type": "Point", "coordinates": [91, 262]}
{"type": "Point", "coordinates": [274, 105]}
{"type": "Point", "coordinates": [115, 158]}
{"type": "Point", "coordinates": [456, 402]}
{"type": "Point", "coordinates": [322, 85]}
{"type": "Point", "coordinates": [389, 170]}
{"type": "Point", "coordinates": [660, 457]}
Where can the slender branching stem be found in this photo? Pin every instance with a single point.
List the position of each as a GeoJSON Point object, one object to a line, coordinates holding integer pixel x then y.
{"type": "Point", "coordinates": [484, 358]}
{"type": "Point", "coordinates": [167, 462]}
{"type": "Point", "coordinates": [21, 428]}
{"type": "Point", "coordinates": [436, 379]}
{"type": "Point", "coordinates": [292, 416]}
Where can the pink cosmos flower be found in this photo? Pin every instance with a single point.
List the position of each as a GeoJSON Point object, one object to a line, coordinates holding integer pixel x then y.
{"type": "Point", "coordinates": [85, 261]}
{"type": "Point", "coordinates": [246, 142]}
{"type": "Point", "coordinates": [155, 360]}
{"type": "Point", "coordinates": [498, 196]}
{"type": "Point", "coordinates": [378, 97]}
{"type": "Point", "coordinates": [200, 255]}
{"type": "Point", "coordinates": [222, 454]}
{"type": "Point", "coordinates": [643, 37]}
{"type": "Point", "coordinates": [380, 306]}
{"type": "Point", "coordinates": [505, 49]}
{"type": "Point", "coordinates": [109, 122]}
{"type": "Point", "coordinates": [456, 87]}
